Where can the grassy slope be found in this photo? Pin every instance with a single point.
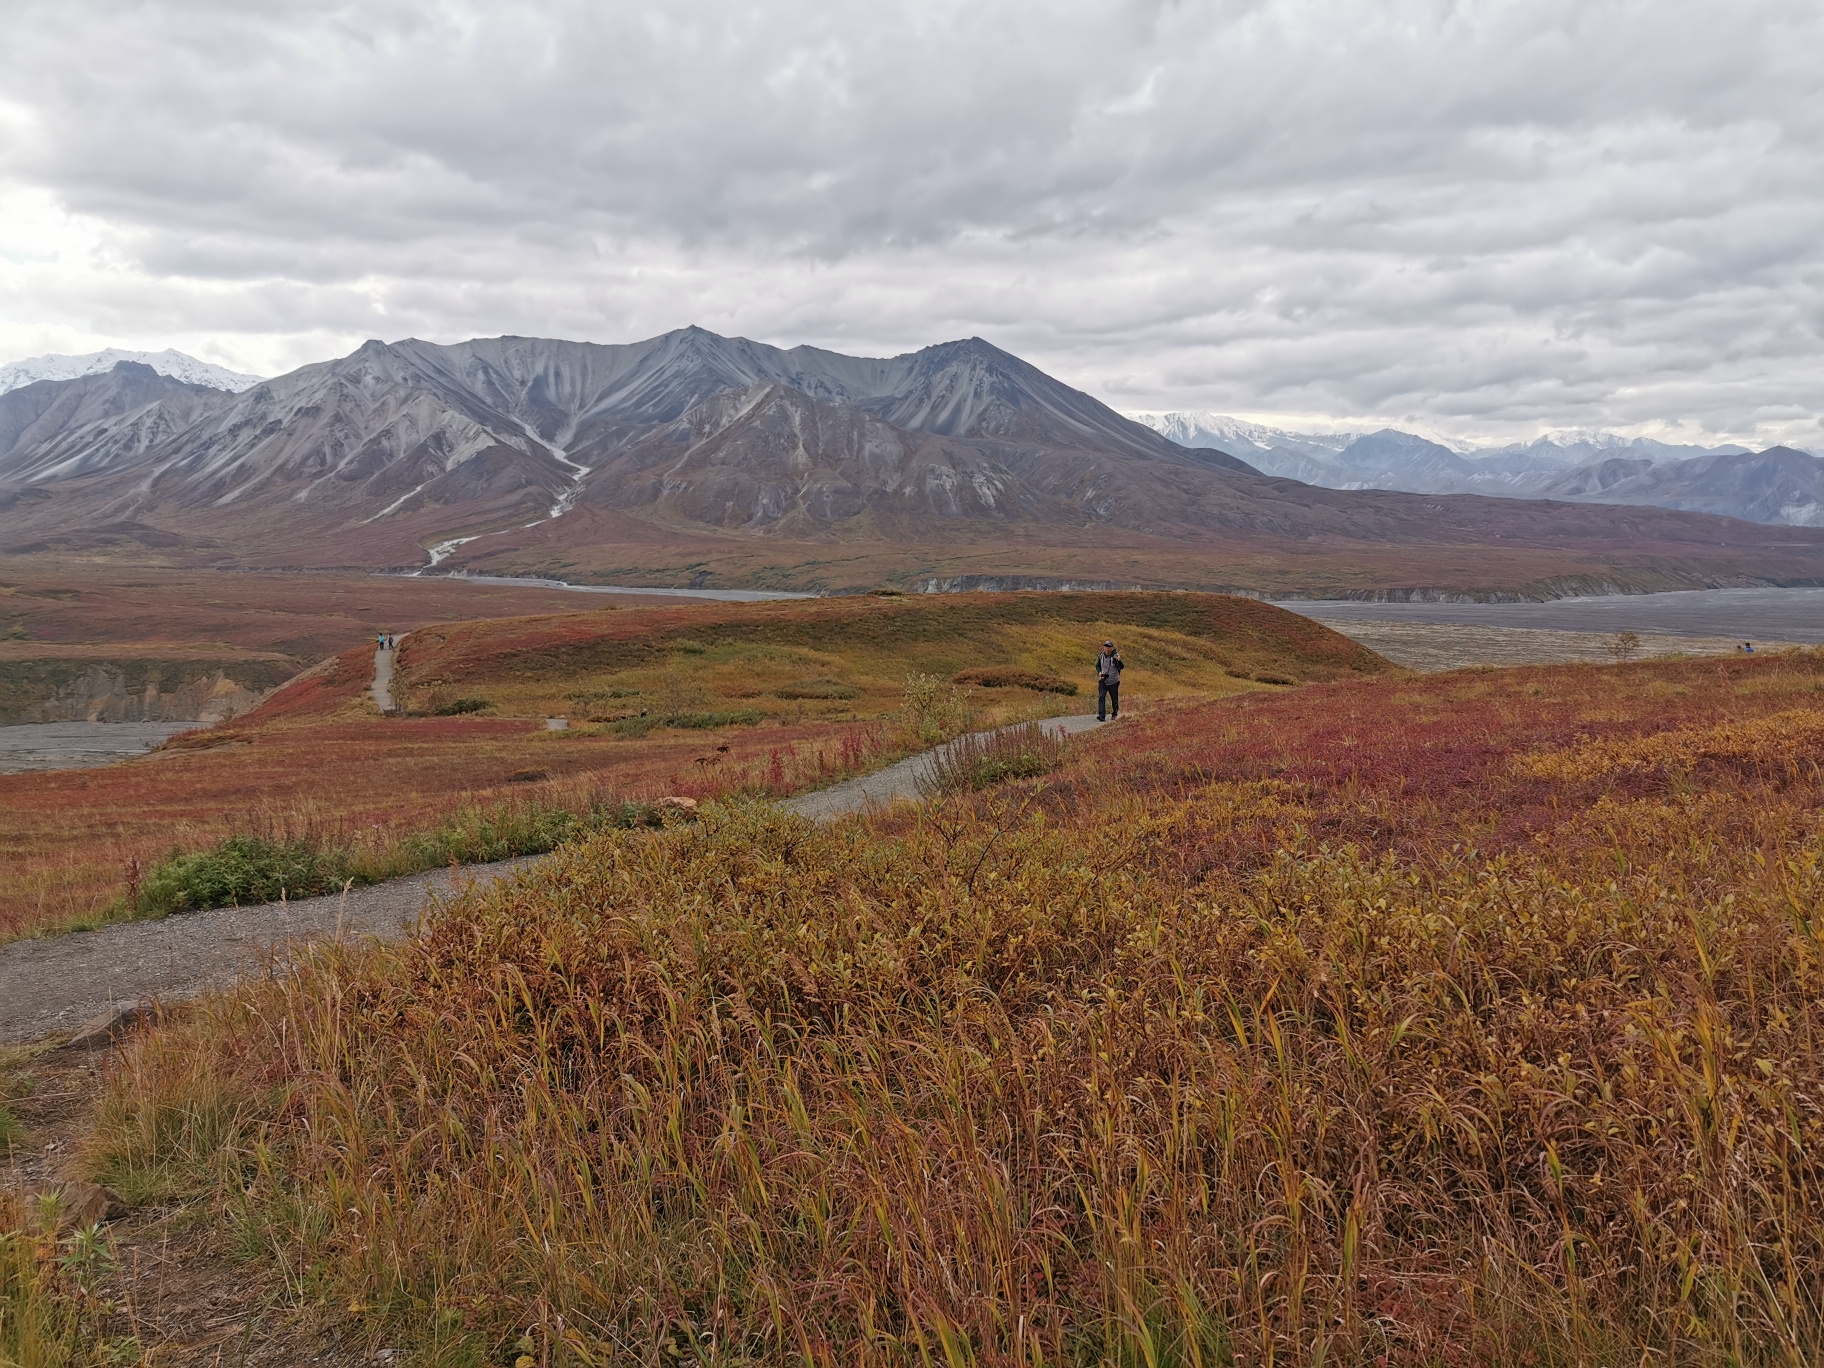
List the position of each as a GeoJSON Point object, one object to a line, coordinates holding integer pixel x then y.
{"type": "Point", "coordinates": [1470, 1019]}
{"type": "Point", "coordinates": [1174, 644]}
{"type": "Point", "coordinates": [317, 762]}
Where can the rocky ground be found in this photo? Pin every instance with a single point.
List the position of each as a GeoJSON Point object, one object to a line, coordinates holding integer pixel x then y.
{"type": "Point", "coordinates": [79, 745]}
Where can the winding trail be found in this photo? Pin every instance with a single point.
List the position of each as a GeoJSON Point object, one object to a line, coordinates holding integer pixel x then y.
{"type": "Point", "coordinates": [61, 984]}
{"type": "Point", "coordinates": [897, 783]}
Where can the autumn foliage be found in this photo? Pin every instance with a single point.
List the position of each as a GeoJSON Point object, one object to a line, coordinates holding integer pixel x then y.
{"type": "Point", "coordinates": [1468, 1020]}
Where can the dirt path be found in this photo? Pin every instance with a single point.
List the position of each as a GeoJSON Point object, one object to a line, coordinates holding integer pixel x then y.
{"type": "Point", "coordinates": [897, 783]}
{"type": "Point", "coordinates": [60, 984]}
{"type": "Point", "coordinates": [383, 674]}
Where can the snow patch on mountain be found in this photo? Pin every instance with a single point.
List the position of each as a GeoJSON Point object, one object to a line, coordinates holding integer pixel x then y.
{"type": "Point", "coordinates": [175, 364]}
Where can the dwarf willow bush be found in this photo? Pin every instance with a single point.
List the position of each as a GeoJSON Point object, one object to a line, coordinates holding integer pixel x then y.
{"type": "Point", "coordinates": [238, 870]}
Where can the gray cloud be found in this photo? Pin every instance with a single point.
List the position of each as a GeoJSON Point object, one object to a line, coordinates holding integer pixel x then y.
{"type": "Point", "coordinates": [1479, 218]}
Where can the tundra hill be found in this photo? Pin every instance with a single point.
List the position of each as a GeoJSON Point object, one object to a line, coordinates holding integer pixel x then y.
{"type": "Point", "coordinates": [1470, 1019]}
{"type": "Point", "coordinates": [849, 657]}
{"type": "Point", "coordinates": [799, 693]}
{"type": "Point", "coordinates": [522, 454]}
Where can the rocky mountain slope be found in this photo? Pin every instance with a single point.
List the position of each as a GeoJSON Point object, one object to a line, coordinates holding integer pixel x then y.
{"type": "Point", "coordinates": [406, 452]}
{"type": "Point", "coordinates": [1778, 485]}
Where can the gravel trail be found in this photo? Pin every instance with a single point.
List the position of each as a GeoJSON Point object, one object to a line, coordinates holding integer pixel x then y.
{"type": "Point", "coordinates": [383, 674]}
{"type": "Point", "coordinates": [54, 986]}
{"type": "Point", "coordinates": [62, 982]}
{"type": "Point", "coordinates": [896, 783]}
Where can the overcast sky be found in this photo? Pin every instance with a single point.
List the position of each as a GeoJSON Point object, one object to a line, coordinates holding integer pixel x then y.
{"type": "Point", "coordinates": [1479, 219]}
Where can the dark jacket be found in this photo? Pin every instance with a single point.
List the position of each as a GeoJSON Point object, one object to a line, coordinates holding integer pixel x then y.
{"type": "Point", "coordinates": [1109, 666]}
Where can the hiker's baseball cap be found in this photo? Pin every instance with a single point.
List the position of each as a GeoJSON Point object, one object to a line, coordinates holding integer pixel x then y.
{"type": "Point", "coordinates": [1108, 643]}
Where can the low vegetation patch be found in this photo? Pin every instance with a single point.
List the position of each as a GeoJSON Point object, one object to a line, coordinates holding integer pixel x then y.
{"type": "Point", "coordinates": [1307, 1028]}
{"type": "Point", "coordinates": [817, 688]}
{"type": "Point", "coordinates": [993, 678]}
{"type": "Point", "coordinates": [717, 717]}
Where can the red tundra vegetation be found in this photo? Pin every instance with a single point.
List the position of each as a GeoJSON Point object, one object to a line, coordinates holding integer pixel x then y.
{"type": "Point", "coordinates": [1466, 1020]}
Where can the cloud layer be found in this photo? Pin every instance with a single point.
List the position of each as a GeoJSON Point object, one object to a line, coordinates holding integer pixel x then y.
{"type": "Point", "coordinates": [1481, 219]}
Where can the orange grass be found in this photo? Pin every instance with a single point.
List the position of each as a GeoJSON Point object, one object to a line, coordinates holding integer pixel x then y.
{"type": "Point", "coordinates": [316, 763]}
{"type": "Point", "coordinates": [1306, 1028]}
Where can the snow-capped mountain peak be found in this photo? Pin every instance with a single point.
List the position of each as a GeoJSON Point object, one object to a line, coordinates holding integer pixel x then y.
{"type": "Point", "coordinates": [175, 364]}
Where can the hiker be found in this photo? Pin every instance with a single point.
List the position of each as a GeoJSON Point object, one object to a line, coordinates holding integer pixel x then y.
{"type": "Point", "coordinates": [1747, 648]}
{"type": "Point", "coordinates": [1108, 682]}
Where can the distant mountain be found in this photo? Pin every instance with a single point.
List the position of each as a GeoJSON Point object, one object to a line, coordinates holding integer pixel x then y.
{"type": "Point", "coordinates": [174, 364]}
{"type": "Point", "coordinates": [1779, 485]}
{"type": "Point", "coordinates": [59, 429]}
{"type": "Point", "coordinates": [1584, 466]}
{"type": "Point", "coordinates": [511, 430]}
{"type": "Point", "coordinates": [499, 449]}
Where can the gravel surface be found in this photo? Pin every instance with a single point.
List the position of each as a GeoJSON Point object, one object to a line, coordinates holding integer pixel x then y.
{"type": "Point", "coordinates": [81, 745]}
{"type": "Point", "coordinates": [1451, 646]}
{"type": "Point", "coordinates": [53, 986]}
{"type": "Point", "coordinates": [896, 783]}
{"type": "Point", "coordinates": [383, 674]}
{"type": "Point", "coordinates": [1745, 614]}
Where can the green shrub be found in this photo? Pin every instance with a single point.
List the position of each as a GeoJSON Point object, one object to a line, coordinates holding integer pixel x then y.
{"type": "Point", "coordinates": [242, 869]}
{"type": "Point", "coordinates": [733, 717]}
{"type": "Point", "coordinates": [817, 688]}
{"type": "Point", "coordinates": [456, 707]}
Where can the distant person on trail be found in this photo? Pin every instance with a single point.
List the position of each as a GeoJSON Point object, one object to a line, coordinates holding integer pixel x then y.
{"type": "Point", "coordinates": [1108, 682]}
{"type": "Point", "coordinates": [1747, 648]}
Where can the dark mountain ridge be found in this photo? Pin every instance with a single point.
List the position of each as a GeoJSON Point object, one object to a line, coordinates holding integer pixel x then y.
{"type": "Point", "coordinates": [399, 448]}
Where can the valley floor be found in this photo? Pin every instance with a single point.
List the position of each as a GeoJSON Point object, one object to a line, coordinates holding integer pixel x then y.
{"type": "Point", "coordinates": [1433, 646]}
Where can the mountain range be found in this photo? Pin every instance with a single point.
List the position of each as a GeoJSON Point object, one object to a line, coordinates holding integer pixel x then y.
{"type": "Point", "coordinates": [1781, 485]}
{"type": "Point", "coordinates": [692, 454]}
{"type": "Point", "coordinates": [175, 364]}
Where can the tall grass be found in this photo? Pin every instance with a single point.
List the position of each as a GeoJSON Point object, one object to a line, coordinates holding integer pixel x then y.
{"type": "Point", "coordinates": [1140, 1069]}
{"type": "Point", "coordinates": [981, 760]}
{"type": "Point", "coordinates": [50, 1316]}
